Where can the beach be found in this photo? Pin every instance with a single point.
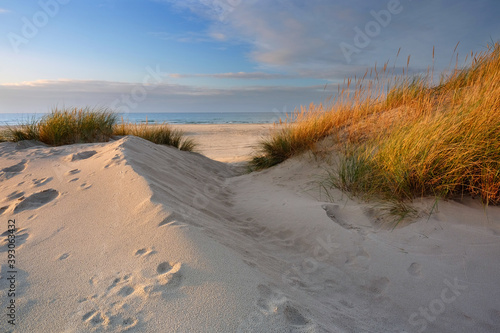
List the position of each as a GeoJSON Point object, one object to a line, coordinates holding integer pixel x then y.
{"type": "Point", "coordinates": [228, 143]}
{"type": "Point", "coordinates": [130, 236]}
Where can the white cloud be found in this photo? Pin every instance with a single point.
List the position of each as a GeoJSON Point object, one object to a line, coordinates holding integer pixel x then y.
{"type": "Point", "coordinates": [304, 37]}
{"type": "Point", "coordinates": [3, 11]}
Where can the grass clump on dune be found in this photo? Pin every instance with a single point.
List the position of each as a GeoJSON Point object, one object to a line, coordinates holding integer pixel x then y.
{"type": "Point", "coordinates": [160, 134]}
{"type": "Point", "coordinates": [410, 138]}
{"type": "Point", "coordinates": [86, 125]}
{"type": "Point", "coordinates": [67, 126]}
{"type": "Point", "coordinates": [77, 126]}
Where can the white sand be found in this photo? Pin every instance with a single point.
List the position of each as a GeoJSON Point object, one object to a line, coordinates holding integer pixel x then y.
{"type": "Point", "coordinates": [136, 237]}
{"type": "Point", "coordinates": [227, 143]}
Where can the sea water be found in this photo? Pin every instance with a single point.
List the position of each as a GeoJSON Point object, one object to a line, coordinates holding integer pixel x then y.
{"type": "Point", "coordinates": [171, 118]}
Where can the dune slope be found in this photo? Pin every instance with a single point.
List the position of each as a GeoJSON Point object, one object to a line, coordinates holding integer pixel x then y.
{"type": "Point", "coordinates": [136, 237]}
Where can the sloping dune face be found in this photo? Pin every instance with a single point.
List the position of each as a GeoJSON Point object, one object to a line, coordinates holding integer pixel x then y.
{"type": "Point", "coordinates": [129, 236]}
{"type": "Point", "coordinates": [111, 238]}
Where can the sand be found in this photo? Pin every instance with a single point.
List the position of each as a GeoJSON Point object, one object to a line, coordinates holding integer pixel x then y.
{"type": "Point", "coordinates": [129, 236]}
{"type": "Point", "coordinates": [229, 143]}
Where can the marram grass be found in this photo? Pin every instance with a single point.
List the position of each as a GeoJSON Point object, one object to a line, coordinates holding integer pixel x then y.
{"type": "Point", "coordinates": [160, 134]}
{"type": "Point", "coordinates": [403, 138]}
{"type": "Point", "coordinates": [67, 126]}
{"type": "Point", "coordinates": [87, 125]}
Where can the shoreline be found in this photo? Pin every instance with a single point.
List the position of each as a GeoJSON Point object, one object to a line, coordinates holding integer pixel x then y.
{"type": "Point", "coordinates": [171, 118]}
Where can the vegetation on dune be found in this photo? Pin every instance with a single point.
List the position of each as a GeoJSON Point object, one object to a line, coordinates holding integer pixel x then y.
{"type": "Point", "coordinates": [161, 134]}
{"type": "Point", "coordinates": [402, 137]}
{"type": "Point", "coordinates": [68, 126]}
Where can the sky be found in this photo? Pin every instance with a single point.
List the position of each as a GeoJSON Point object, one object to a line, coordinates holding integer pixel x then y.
{"type": "Point", "coordinates": [221, 55]}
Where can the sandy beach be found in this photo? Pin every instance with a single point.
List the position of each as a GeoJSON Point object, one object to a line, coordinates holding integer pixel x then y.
{"type": "Point", "coordinates": [229, 143]}
{"type": "Point", "coordinates": [129, 236]}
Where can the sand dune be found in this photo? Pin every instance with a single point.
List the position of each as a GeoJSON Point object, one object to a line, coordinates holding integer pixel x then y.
{"type": "Point", "coordinates": [128, 236]}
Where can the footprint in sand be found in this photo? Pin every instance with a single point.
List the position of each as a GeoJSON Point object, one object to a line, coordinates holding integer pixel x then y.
{"type": "Point", "coordinates": [126, 290]}
{"type": "Point", "coordinates": [94, 317]}
{"type": "Point", "coordinates": [107, 320]}
{"type": "Point", "coordinates": [21, 237]}
{"type": "Point", "coordinates": [72, 172]}
{"type": "Point", "coordinates": [116, 160]}
{"type": "Point", "coordinates": [82, 155]}
{"type": "Point", "coordinates": [14, 195]}
{"type": "Point", "coordinates": [40, 182]}
{"type": "Point", "coordinates": [332, 211]}
{"type": "Point", "coordinates": [9, 172]}
{"type": "Point", "coordinates": [415, 269]}
{"type": "Point", "coordinates": [3, 209]}
{"type": "Point", "coordinates": [110, 309]}
{"type": "Point", "coordinates": [63, 256]}
{"type": "Point", "coordinates": [113, 306]}
{"type": "Point", "coordinates": [36, 200]}
{"type": "Point", "coordinates": [163, 268]}
{"type": "Point", "coordinates": [274, 304]}
{"type": "Point", "coordinates": [169, 278]}
{"type": "Point", "coordinates": [144, 252]}
{"type": "Point", "coordinates": [85, 186]}
{"type": "Point", "coordinates": [379, 286]}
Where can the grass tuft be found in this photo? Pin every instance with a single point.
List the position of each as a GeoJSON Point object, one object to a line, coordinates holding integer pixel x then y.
{"type": "Point", "coordinates": [161, 134]}
{"type": "Point", "coordinates": [67, 126]}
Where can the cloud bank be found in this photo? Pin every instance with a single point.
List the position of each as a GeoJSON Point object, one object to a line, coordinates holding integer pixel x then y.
{"type": "Point", "coordinates": [40, 96]}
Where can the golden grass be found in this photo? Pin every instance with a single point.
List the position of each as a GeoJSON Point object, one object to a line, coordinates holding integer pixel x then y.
{"type": "Point", "coordinates": [159, 134]}
{"type": "Point", "coordinates": [85, 125]}
{"type": "Point", "coordinates": [67, 126]}
{"type": "Point", "coordinates": [402, 137]}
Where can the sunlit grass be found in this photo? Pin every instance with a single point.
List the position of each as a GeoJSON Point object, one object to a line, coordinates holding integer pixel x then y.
{"type": "Point", "coordinates": [87, 125]}
{"type": "Point", "coordinates": [401, 137]}
{"type": "Point", "coordinates": [67, 126]}
{"type": "Point", "coordinates": [162, 134]}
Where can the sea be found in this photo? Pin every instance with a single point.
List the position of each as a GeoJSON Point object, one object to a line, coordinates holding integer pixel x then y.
{"type": "Point", "coordinates": [12, 119]}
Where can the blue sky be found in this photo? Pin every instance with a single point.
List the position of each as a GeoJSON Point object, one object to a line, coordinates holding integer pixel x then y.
{"type": "Point", "coordinates": [220, 55]}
